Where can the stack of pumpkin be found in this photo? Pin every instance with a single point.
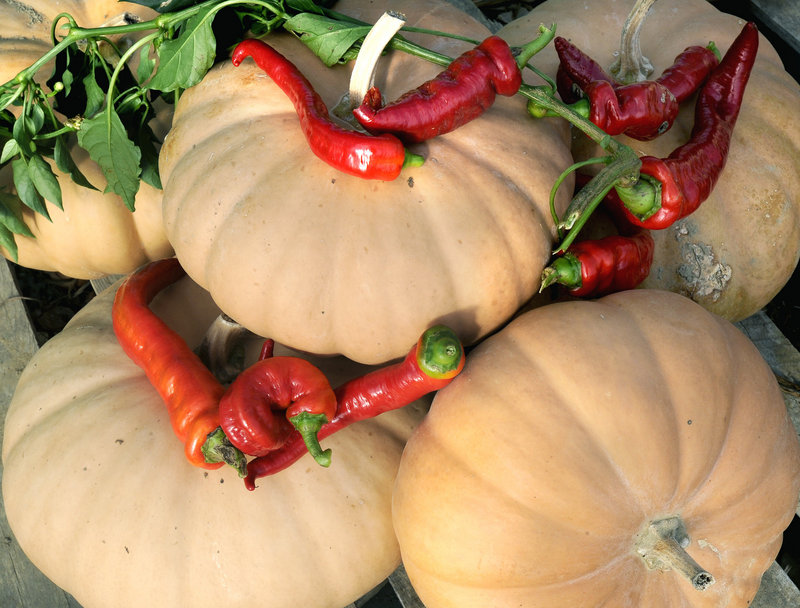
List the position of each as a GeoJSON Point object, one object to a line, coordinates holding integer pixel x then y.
{"type": "Point", "coordinates": [628, 451]}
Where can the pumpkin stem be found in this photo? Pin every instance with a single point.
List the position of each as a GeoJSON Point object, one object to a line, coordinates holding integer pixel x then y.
{"type": "Point", "coordinates": [662, 545]}
{"type": "Point", "coordinates": [631, 65]}
{"type": "Point", "coordinates": [222, 350]}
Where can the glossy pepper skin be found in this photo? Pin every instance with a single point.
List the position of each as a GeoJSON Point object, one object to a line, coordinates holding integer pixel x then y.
{"type": "Point", "coordinates": [597, 267]}
{"type": "Point", "coordinates": [189, 390]}
{"type": "Point", "coordinates": [459, 94]}
{"type": "Point", "coordinates": [431, 364]}
{"type": "Point", "coordinates": [678, 184]}
{"type": "Point", "coordinates": [369, 157]}
{"type": "Point", "coordinates": [641, 110]}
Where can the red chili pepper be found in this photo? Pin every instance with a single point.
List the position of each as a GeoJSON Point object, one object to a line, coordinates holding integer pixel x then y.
{"type": "Point", "coordinates": [370, 157]}
{"type": "Point", "coordinates": [641, 110]}
{"type": "Point", "coordinates": [431, 364]}
{"type": "Point", "coordinates": [672, 188]}
{"type": "Point", "coordinates": [274, 398]}
{"type": "Point", "coordinates": [459, 94]}
{"type": "Point", "coordinates": [189, 390]}
{"type": "Point", "coordinates": [597, 267]}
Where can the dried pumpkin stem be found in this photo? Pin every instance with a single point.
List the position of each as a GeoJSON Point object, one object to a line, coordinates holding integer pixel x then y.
{"type": "Point", "coordinates": [631, 65]}
{"type": "Point", "coordinates": [222, 349]}
{"type": "Point", "coordinates": [662, 545]}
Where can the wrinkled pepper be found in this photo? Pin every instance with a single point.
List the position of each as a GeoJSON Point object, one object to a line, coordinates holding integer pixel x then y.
{"type": "Point", "coordinates": [671, 188]}
{"type": "Point", "coordinates": [641, 110]}
{"type": "Point", "coordinates": [459, 94]}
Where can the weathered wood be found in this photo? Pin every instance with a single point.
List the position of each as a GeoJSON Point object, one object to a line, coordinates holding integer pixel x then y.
{"type": "Point", "coordinates": [782, 17]}
{"type": "Point", "coordinates": [21, 583]}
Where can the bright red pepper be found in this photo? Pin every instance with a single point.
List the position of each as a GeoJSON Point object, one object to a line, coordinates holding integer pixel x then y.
{"type": "Point", "coordinates": [370, 157]}
{"type": "Point", "coordinates": [459, 94]}
{"type": "Point", "coordinates": [189, 390]}
{"type": "Point", "coordinates": [672, 188]}
{"type": "Point", "coordinates": [641, 110]}
{"type": "Point", "coordinates": [431, 364]}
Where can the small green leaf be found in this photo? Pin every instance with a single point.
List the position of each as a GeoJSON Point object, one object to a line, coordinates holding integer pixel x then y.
{"type": "Point", "coordinates": [185, 60]}
{"type": "Point", "coordinates": [8, 243]}
{"type": "Point", "coordinates": [26, 189]}
{"type": "Point", "coordinates": [23, 136]}
{"type": "Point", "coordinates": [65, 162]}
{"type": "Point", "coordinates": [44, 180]}
{"type": "Point", "coordinates": [146, 64]}
{"type": "Point", "coordinates": [330, 40]}
{"type": "Point", "coordinates": [104, 137]}
{"type": "Point", "coordinates": [10, 150]}
{"type": "Point", "coordinates": [95, 96]}
{"type": "Point", "coordinates": [11, 214]}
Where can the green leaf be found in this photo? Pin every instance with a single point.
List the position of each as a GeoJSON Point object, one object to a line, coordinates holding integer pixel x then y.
{"type": "Point", "coordinates": [330, 40]}
{"type": "Point", "coordinates": [95, 96]}
{"type": "Point", "coordinates": [24, 136]}
{"type": "Point", "coordinates": [10, 150]}
{"type": "Point", "coordinates": [185, 60]}
{"type": "Point", "coordinates": [107, 143]}
{"type": "Point", "coordinates": [146, 64]}
{"type": "Point", "coordinates": [65, 162]}
{"type": "Point", "coordinates": [44, 180]}
{"type": "Point", "coordinates": [26, 189]}
{"type": "Point", "coordinates": [165, 6]}
{"type": "Point", "coordinates": [11, 214]}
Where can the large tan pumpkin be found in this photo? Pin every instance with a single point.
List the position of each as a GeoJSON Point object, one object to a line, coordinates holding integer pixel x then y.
{"type": "Point", "coordinates": [101, 498]}
{"type": "Point", "coordinates": [535, 475]}
{"type": "Point", "coordinates": [741, 246]}
{"type": "Point", "coordinates": [347, 265]}
{"type": "Point", "coordinates": [95, 234]}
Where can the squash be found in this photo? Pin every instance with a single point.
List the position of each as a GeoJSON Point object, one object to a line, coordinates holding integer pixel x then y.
{"type": "Point", "coordinates": [101, 498]}
{"type": "Point", "coordinates": [737, 251]}
{"type": "Point", "coordinates": [95, 234]}
{"type": "Point", "coordinates": [536, 475]}
{"type": "Point", "coordinates": [347, 265]}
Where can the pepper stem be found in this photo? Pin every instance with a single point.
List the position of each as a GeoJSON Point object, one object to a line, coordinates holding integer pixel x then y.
{"type": "Point", "coordinates": [565, 270]}
{"type": "Point", "coordinates": [308, 425]}
{"type": "Point", "coordinates": [218, 448]}
{"type": "Point", "coordinates": [662, 545]}
{"type": "Point", "coordinates": [439, 352]}
{"type": "Point", "coordinates": [524, 53]}
{"type": "Point", "coordinates": [631, 65]}
{"type": "Point", "coordinates": [642, 198]}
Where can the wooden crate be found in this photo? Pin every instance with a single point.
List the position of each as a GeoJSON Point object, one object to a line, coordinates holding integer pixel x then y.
{"type": "Point", "coordinates": [22, 585]}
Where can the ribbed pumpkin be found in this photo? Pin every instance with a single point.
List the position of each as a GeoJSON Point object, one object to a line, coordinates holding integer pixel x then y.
{"type": "Point", "coordinates": [353, 266]}
{"type": "Point", "coordinates": [95, 234]}
{"type": "Point", "coordinates": [100, 496]}
{"type": "Point", "coordinates": [536, 476]}
{"type": "Point", "coordinates": [741, 246]}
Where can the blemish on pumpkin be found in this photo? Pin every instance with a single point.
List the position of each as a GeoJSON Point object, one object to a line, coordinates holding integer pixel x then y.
{"type": "Point", "coordinates": [702, 273]}
{"type": "Point", "coordinates": [119, 441]}
{"type": "Point", "coordinates": [410, 182]}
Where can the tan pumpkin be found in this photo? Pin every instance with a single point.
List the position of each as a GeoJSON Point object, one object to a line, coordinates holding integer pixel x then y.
{"type": "Point", "coordinates": [535, 477]}
{"type": "Point", "coordinates": [355, 266]}
{"type": "Point", "coordinates": [100, 496]}
{"type": "Point", "coordinates": [95, 234]}
{"type": "Point", "coordinates": [736, 252]}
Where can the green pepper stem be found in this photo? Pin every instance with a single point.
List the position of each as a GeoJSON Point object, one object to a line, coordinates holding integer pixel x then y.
{"type": "Point", "coordinates": [524, 53]}
{"type": "Point", "coordinates": [439, 352]}
{"type": "Point", "coordinates": [218, 448]}
{"type": "Point", "coordinates": [308, 425]}
{"type": "Point", "coordinates": [565, 270]}
{"type": "Point", "coordinates": [642, 198]}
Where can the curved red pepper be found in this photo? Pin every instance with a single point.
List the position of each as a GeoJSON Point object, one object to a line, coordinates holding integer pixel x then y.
{"type": "Point", "coordinates": [189, 390]}
{"type": "Point", "coordinates": [459, 94]}
{"type": "Point", "coordinates": [672, 188]}
{"type": "Point", "coordinates": [270, 399]}
{"type": "Point", "coordinates": [370, 157]}
{"type": "Point", "coordinates": [431, 364]}
{"type": "Point", "coordinates": [641, 110]}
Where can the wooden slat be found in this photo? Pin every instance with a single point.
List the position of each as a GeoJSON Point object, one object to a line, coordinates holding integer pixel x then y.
{"type": "Point", "coordinates": [782, 17]}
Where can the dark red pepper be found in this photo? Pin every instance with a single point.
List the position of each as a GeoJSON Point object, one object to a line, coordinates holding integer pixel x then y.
{"type": "Point", "coordinates": [370, 157]}
{"type": "Point", "coordinates": [641, 110]}
{"type": "Point", "coordinates": [672, 188]}
{"type": "Point", "coordinates": [431, 364]}
{"type": "Point", "coordinates": [459, 94]}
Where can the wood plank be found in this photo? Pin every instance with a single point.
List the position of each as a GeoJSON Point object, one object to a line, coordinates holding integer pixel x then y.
{"type": "Point", "coordinates": [21, 583]}
{"type": "Point", "coordinates": [782, 17]}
